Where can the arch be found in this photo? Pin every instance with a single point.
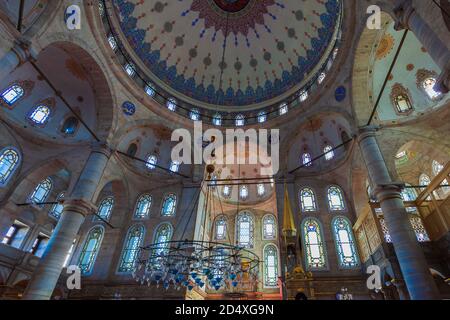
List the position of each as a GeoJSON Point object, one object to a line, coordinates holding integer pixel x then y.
{"type": "Point", "coordinates": [245, 229]}
{"type": "Point", "coordinates": [269, 227]}
{"type": "Point", "coordinates": [10, 160]}
{"type": "Point", "coordinates": [41, 191]}
{"type": "Point", "coordinates": [105, 209]}
{"type": "Point", "coordinates": [345, 243]}
{"type": "Point", "coordinates": [335, 197]}
{"type": "Point", "coordinates": [163, 235]}
{"type": "Point", "coordinates": [314, 245]}
{"type": "Point", "coordinates": [90, 249]}
{"type": "Point", "coordinates": [143, 206]}
{"type": "Point", "coordinates": [307, 200]}
{"type": "Point", "coordinates": [271, 269]}
{"type": "Point", "coordinates": [221, 228]}
{"type": "Point", "coordinates": [131, 246]}
{"type": "Point", "coordinates": [169, 205]}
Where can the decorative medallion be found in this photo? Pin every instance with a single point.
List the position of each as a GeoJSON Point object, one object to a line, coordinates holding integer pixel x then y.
{"type": "Point", "coordinates": [128, 108]}
{"type": "Point", "coordinates": [385, 46]}
{"type": "Point", "coordinates": [340, 94]}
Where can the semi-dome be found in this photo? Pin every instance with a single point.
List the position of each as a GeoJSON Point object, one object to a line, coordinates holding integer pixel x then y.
{"type": "Point", "coordinates": [228, 55]}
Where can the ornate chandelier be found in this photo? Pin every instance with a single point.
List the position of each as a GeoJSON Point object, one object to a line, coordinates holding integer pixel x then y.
{"type": "Point", "coordinates": [191, 264]}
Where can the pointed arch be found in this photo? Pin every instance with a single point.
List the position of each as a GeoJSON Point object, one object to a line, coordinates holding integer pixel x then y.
{"type": "Point", "coordinates": [131, 246]}
{"type": "Point", "coordinates": [90, 249]}
{"type": "Point", "coordinates": [314, 246]}
{"type": "Point", "coordinates": [345, 243]}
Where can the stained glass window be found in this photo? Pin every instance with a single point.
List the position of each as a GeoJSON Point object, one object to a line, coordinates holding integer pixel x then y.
{"type": "Point", "coordinates": [133, 241]}
{"type": "Point", "coordinates": [303, 96]}
{"type": "Point", "coordinates": [402, 103]}
{"type": "Point", "coordinates": [283, 109]}
{"type": "Point", "coordinates": [58, 208]}
{"type": "Point", "coordinates": [307, 200]}
{"type": "Point", "coordinates": [269, 227]}
{"type": "Point", "coordinates": [70, 126]}
{"type": "Point", "coordinates": [41, 191]}
{"type": "Point", "coordinates": [40, 115]}
{"type": "Point", "coordinates": [345, 243]}
{"type": "Point", "coordinates": [243, 192]}
{"type": "Point", "coordinates": [169, 204]}
{"type": "Point", "coordinates": [9, 161]}
{"type": "Point", "coordinates": [306, 159]}
{"type": "Point", "coordinates": [143, 206]}
{"type": "Point", "coordinates": [152, 161]}
{"type": "Point", "coordinates": [385, 230]}
{"type": "Point", "coordinates": [419, 229]}
{"type": "Point", "coordinates": [424, 180]}
{"type": "Point", "coordinates": [105, 209]}
{"type": "Point", "coordinates": [90, 250]}
{"type": "Point", "coordinates": [240, 121]}
{"type": "Point", "coordinates": [112, 42]}
{"type": "Point", "coordinates": [437, 168]}
{"type": "Point", "coordinates": [217, 120]}
{"type": "Point", "coordinates": [161, 241]}
{"type": "Point", "coordinates": [175, 166]}
{"type": "Point", "coordinates": [12, 94]}
{"type": "Point", "coordinates": [335, 199]}
{"type": "Point", "coordinates": [329, 153]}
{"type": "Point", "coordinates": [409, 194]}
{"type": "Point", "coordinates": [261, 189]}
{"type": "Point", "coordinates": [428, 85]}
{"type": "Point", "coordinates": [149, 90]}
{"type": "Point", "coordinates": [129, 69]}
{"type": "Point", "coordinates": [270, 266]}
{"type": "Point", "coordinates": [244, 230]}
{"type": "Point", "coordinates": [315, 248]}
{"type": "Point", "coordinates": [171, 104]}
{"type": "Point", "coordinates": [262, 117]}
{"type": "Point", "coordinates": [194, 115]}
{"type": "Point", "coordinates": [16, 235]}
{"type": "Point", "coordinates": [221, 228]}
{"type": "Point", "coordinates": [226, 191]}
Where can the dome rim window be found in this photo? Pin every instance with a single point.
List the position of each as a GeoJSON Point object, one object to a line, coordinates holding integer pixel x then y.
{"type": "Point", "coordinates": [13, 166]}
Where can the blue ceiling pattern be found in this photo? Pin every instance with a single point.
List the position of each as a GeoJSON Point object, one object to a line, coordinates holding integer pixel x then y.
{"type": "Point", "coordinates": [229, 53]}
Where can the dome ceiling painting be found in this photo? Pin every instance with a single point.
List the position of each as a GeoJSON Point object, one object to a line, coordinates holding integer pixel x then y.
{"type": "Point", "coordinates": [230, 53]}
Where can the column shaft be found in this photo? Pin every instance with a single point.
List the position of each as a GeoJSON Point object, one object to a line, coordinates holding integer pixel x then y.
{"type": "Point", "coordinates": [413, 265]}
{"type": "Point", "coordinates": [76, 208]}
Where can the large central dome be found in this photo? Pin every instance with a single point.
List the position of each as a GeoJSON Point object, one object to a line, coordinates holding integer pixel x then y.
{"type": "Point", "coordinates": [229, 53]}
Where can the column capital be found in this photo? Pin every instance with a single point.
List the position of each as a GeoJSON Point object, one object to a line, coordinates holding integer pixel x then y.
{"type": "Point", "coordinates": [388, 191]}
{"type": "Point", "coordinates": [80, 206]}
{"type": "Point", "coordinates": [367, 131]}
{"type": "Point", "coordinates": [403, 13]}
{"type": "Point", "coordinates": [101, 147]}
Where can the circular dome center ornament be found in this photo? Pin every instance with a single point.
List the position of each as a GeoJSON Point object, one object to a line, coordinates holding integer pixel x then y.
{"type": "Point", "coordinates": [231, 6]}
{"type": "Point", "coordinates": [128, 108]}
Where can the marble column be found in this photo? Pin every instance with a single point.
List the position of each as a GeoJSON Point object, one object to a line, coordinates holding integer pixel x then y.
{"type": "Point", "coordinates": [408, 18]}
{"type": "Point", "coordinates": [12, 59]}
{"type": "Point", "coordinates": [76, 207]}
{"type": "Point", "coordinates": [413, 265]}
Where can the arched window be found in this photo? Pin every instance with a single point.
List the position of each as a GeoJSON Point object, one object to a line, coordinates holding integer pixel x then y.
{"type": "Point", "coordinates": [129, 69]}
{"type": "Point", "coordinates": [90, 250]}
{"type": "Point", "coordinates": [194, 115]}
{"type": "Point", "coordinates": [132, 150]}
{"type": "Point", "coordinates": [150, 91]}
{"type": "Point", "coordinates": [40, 115]}
{"type": "Point", "coordinates": [70, 126]}
{"type": "Point", "coordinates": [169, 205]}
{"type": "Point", "coordinates": [261, 189]}
{"type": "Point", "coordinates": [401, 100]}
{"type": "Point", "coordinates": [314, 246]}
{"type": "Point", "coordinates": [329, 152]}
{"type": "Point", "coordinates": [283, 109]}
{"type": "Point", "coordinates": [244, 230]}
{"type": "Point", "coordinates": [163, 236]}
{"type": "Point", "coordinates": [243, 192]}
{"type": "Point", "coordinates": [321, 78]}
{"type": "Point", "coordinates": [171, 104]}
{"type": "Point", "coordinates": [175, 166]}
{"type": "Point", "coordinates": [12, 94]}
{"type": "Point", "coordinates": [133, 241]}
{"type": "Point", "coordinates": [270, 266]}
{"type": "Point", "coordinates": [269, 227]}
{"type": "Point", "coordinates": [303, 96]}
{"type": "Point", "coordinates": [143, 206]}
{"type": "Point", "coordinates": [345, 243]}
{"type": "Point", "coordinates": [217, 119]}
{"type": "Point", "coordinates": [105, 209]}
{"type": "Point", "coordinates": [436, 167]}
{"type": "Point", "coordinates": [41, 191]}
{"type": "Point", "coordinates": [409, 194]}
{"type": "Point", "coordinates": [152, 161]}
{"type": "Point", "coordinates": [240, 120]}
{"type": "Point", "coordinates": [424, 180]}
{"type": "Point", "coordinates": [221, 228]}
{"type": "Point", "coordinates": [306, 159]}
{"type": "Point", "coordinates": [9, 162]}
{"type": "Point", "coordinates": [335, 199]}
{"type": "Point", "coordinates": [262, 117]}
{"type": "Point", "coordinates": [428, 86]}
{"type": "Point", "coordinates": [112, 42]}
{"type": "Point", "coordinates": [58, 208]}
{"type": "Point", "coordinates": [307, 200]}
{"type": "Point", "coordinates": [226, 191]}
